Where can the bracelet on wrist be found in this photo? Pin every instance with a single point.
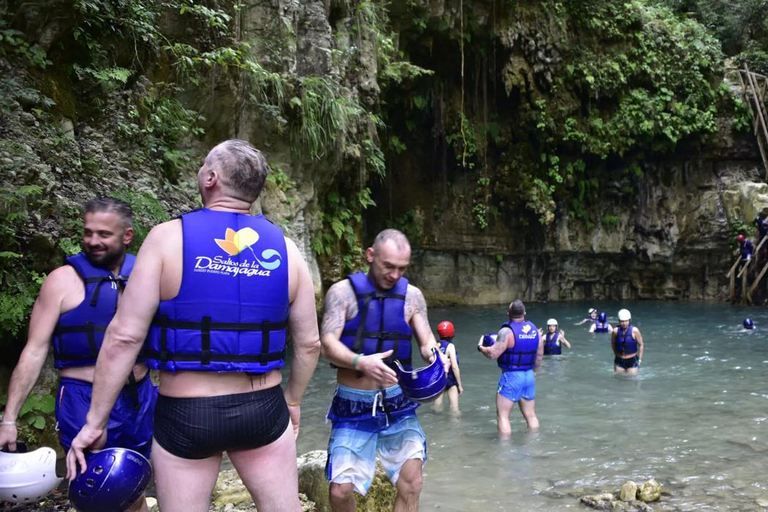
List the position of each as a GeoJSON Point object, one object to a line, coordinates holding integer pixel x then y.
{"type": "Point", "coordinates": [7, 423]}
{"type": "Point", "coordinates": [354, 361]}
{"type": "Point", "coordinates": [294, 404]}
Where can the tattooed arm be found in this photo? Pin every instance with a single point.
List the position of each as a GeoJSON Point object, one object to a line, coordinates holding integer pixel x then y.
{"type": "Point", "coordinates": [504, 339]}
{"type": "Point", "coordinates": [341, 305]}
{"type": "Point", "coordinates": [416, 316]}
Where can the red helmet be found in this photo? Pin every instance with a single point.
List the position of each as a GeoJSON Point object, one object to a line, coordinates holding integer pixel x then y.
{"type": "Point", "coordinates": [740, 238]}
{"type": "Point", "coordinates": [445, 329]}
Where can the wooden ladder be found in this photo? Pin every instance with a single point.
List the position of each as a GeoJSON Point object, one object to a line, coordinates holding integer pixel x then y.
{"type": "Point", "coordinates": [746, 293]}
{"type": "Point", "coordinates": [754, 87]}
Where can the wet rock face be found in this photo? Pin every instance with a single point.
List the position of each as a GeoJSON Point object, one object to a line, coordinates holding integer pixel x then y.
{"type": "Point", "coordinates": [671, 238]}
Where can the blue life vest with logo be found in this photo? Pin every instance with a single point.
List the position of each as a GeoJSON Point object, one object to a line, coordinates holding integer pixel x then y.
{"type": "Point", "coordinates": [522, 356]}
{"type": "Point", "coordinates": [625, 344]}
{"type": "Point", "coordinates": [380, 322]}
{"type": "Point", "coordinates": [232, 308]}
{"type": "Point", "coordinates": [746, 250]}
{"type": "Point", "coordinates": [79, 332]}
{"type": "Point", "coordinates": [551, 345]}
{"type": "Point", "coordinates": [601, 326]}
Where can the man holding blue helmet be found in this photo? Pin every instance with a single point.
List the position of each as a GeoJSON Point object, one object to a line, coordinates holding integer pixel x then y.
{"type": "Point", "coordinates": [215, 293]}
{"type": "Point", "coordinates": [518, 350]}
{"type": "Point", "coordinates": [76, 303]}
{"type": "Point", "coordinates": [368, 325]}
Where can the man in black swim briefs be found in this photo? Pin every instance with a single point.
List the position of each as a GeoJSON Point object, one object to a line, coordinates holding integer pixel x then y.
{"type": "Point", "coordinates": [214, 294]}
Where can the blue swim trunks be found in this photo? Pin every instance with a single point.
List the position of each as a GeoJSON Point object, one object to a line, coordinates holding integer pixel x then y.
{"type": "Point", "coordinates": [130, 423]}
{"type": "Point", "coordinates": [367, 423]}
{"type": "Point", "coordinates": [516, 385]}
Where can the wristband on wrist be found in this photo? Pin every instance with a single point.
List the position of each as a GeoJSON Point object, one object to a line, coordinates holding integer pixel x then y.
{"type": "Point", "coordinates": [294, 404]}
{"type": "Point", "coordinates": [7, 423]}
{"type": "Point", "coordinates": [354, 361]}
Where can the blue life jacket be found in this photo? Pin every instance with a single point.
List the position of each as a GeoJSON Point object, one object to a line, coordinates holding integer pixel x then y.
{"type": "Point", "coordinates": [601, 326]}
{"type": "Point", "coordinates": [746, 250]}
{"type": "Point", "coordinates": [522, 356]}
{"type": "Point", "coordinates": [232, 308]}
{"type": "Point", "coordinates": [625, 344]}
{"type": "Point", "coordinates": [79, 332]}
{"type": "Point", "coordinates": [444, 347]}
{"type": "Point", "coordinates": [551, 345]}
{"type": "Point", "coordinates": [380, 322]}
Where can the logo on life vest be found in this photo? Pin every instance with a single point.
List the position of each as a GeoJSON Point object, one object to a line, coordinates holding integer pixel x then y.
{"type": "Point", "coordinates": [234, 243]}
{"type": "Point", "coordinates": [527, 334]}
{"type": "Point", "coordinates": [526, 328]}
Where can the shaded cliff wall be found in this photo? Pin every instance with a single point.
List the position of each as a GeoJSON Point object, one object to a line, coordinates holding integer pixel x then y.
{"type": "Point", "coordinates": [527, 173]}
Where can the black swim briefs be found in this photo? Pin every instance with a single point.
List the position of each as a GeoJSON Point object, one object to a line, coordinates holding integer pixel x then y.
{"type": "Point", "coordinates": [197, 428]}
{"type": "Point", "coordinates": [628, 363]}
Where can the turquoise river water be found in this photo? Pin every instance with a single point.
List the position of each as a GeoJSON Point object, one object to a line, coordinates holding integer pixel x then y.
{"type": "Point", "coordinates": [695, 418]}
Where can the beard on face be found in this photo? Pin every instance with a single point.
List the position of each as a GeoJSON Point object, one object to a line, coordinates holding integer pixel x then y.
{"type": "Point", "coordinates": [107, 259]}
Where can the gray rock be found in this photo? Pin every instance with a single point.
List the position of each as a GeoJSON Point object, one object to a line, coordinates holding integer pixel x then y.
{"type": "Point", "coordinates": [28, 119]}
{"type": "Point", "coordinates": [650, 491]}
{"type": "Point", "coordinates": [628, 491]}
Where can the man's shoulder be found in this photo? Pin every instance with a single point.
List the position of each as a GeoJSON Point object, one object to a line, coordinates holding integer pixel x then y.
{"type": "Point", "coordinates": [413, 291]}
{"type": "Point", "coordinates": [341, 288]}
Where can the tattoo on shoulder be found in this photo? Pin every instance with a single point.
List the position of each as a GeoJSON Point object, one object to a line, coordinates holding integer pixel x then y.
{"type": "Point", "coordinates": [415, 305]}
{"type": "Point", "coordinates": [340, 304]}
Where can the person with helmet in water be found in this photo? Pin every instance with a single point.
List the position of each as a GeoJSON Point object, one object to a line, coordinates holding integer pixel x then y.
{"type": "Point", "coordinates": [591, 317]}
{"type": "Point", "coordinates": [76, 303]}
{"type": "Point", "coordinates": [369, 323]}
{"type": "Point", "coordinates": [213, 300]}
{"type": "Point", "coordinates": [554, 339]}
{"type": "Point", "coordinates": [749, 325]}
{"type": "Point", "coordinates": [453, 389]}
{"type": "Point", "coordinates": [601, 324]}
{"type": "Point", "coordinates": [518, 350]}
{"type": "Point", "coordinates": [627, 344]}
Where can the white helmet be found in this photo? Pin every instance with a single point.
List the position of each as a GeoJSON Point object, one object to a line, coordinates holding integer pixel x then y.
{"type": "Point", "coordinates": [551, 321]}
{"type": "Point", "coordinates": [27, 477]}
{"type": "Point", "coordinates": [624, 314]}
{"type": "Point", "coordinates": [591, 310]}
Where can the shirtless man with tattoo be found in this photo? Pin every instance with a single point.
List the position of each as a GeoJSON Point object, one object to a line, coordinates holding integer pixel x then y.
{"type": "Point", "coordinates": [369, 322]}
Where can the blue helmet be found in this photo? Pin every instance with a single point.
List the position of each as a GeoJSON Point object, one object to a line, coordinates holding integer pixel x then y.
{"type": "Point", "coordinates": [114, 480]}
{"type": "Point", "coordinates": [602, 317]}
{"type": "Point", "coordinates": [425, 384]}
{"type": "Point", "coordinates": [489, 340]}
{"type": "Point", "coordinates": [748, 323]}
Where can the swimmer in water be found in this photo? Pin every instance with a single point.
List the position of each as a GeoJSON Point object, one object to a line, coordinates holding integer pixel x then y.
{"type": "Point", "coordinates": [591, 317]}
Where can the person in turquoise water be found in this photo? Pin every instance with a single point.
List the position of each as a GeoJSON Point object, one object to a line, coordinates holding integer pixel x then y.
{"type": "Point", "coordinates": [518, 350]}
{"type": "Point", "coordinates": [749, 325]}
{"type": "Point", "coordinates": [591, 317]}
{"type": "Point", "coordinates": [454, 388]}
{"type": "Point", "coordinates": [627, 344]}
{"type": "Point", "coordinates": [554, 339]}
{"type": "Point", "coordinates": [601, 324]}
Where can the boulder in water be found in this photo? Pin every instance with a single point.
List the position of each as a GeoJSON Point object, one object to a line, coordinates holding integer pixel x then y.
{"type": "Point", "coordinates": [628, 491]}
{"type": "Point", "coordinates": [649, 491]}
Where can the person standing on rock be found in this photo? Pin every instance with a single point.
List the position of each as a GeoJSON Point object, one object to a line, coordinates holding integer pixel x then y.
{"type": "Point", "coordinates": [627, 344]}
{"type": "Point", "coordinates": [368, 323]}
{"type": "Point", "coordinates": [453, 389]}
{"type": "Point", "coordinates": [76, 303]}
{"type": "Point", "coordinates": [518, 350]}
{"type": "Point", "coordinates": [215, 293]}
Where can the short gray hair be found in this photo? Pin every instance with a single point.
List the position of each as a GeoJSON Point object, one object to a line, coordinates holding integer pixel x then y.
{"type": "Point", "coordinates": [243, 168]}
{"type": "Point", "coordinates": [401, 241]}
{"type": "Point", "coordinates": [111, 204]}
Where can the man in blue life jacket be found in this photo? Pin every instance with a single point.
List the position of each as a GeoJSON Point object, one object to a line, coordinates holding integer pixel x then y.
{"type": "Point", "coordinates": [368, 323]}
{"type": "Point", "coordinates": [76, 303]}
{"type": "Point", "coordinates": [745, 249]}
{"type": "Point", "coordinates": [518, 350]}
{"type": "Point", "coordinates": [215, 293]}
{"type": "Point", "coordinates": [453, 389]}
{"type": "Point", "coordinates": [627, 344]}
